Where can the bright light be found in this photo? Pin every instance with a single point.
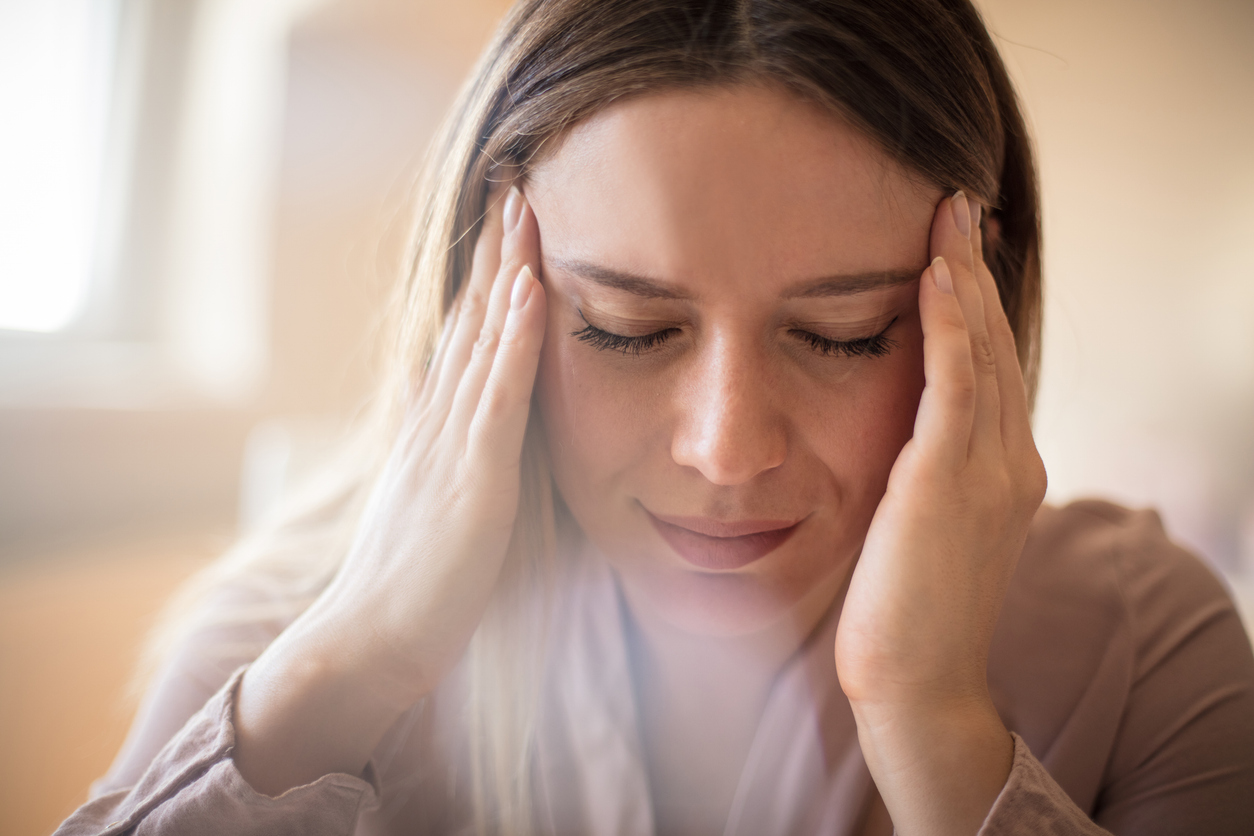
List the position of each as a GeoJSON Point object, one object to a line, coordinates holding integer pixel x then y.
{"type": "Point", "coordinates": [56, 60]}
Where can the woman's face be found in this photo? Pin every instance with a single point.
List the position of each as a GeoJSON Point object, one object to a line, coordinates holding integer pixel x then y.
{"type": "Point", "coordinates": [733, 357]}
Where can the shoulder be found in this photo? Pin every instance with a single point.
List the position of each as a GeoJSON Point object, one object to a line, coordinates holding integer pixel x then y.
{"type": "Point", "coordinates": [1111, 568]}
{"type": "Point", "coordinates": [1113, 643]}
{"type": "Point", "coordinates": [1101, 584]}
{"type": "Point", "coordinates": [1065, 615]}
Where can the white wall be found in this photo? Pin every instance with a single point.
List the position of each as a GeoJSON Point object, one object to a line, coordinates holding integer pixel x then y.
{"type": "Point", "coordinates": [1143, 112]}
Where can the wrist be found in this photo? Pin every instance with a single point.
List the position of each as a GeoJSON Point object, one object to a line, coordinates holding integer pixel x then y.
{"type": "Point", "coordinates": [939, 764]}
{"type": "Point", "coordinates": [305, 709]}
{"type": "Point", "coordinates": [339, 654]}
{"type": "Point", "coordinates": [931, 728]}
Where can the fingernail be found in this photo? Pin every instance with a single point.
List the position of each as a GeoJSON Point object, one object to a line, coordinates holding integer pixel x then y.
{"type": "Point", "coordinates": [522, 289]}
{"type": "Point", "coordinates": [940, 273]}
{"type": "Point", "coordinates": [976, 211]}
{"type": "Point", "coordinates": [513, 208]}
{"type": "Point", "coordinates": [962, 214]}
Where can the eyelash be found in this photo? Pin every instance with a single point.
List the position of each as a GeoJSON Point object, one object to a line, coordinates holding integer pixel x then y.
{"type": "Point", "coordinates": [605, 341]}
{"type": "Point", "coordinates": [876, 346]}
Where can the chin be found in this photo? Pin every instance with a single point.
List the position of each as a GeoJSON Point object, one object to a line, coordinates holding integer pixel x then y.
{"type": "Point", "coordinates": [724, 604]}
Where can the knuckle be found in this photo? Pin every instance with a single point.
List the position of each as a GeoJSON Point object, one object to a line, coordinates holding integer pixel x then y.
{"type": "Point", "coordinates": [983, 357]}
{"type": "Point", "coordinates": [476, 299]}
{"type": "Point", "coordinates": [487, 342]}
{"type": "Point", "coordinates": [457, 486]}
{"type": "Point", "coordinates": [1004, 488]}
{"type": "Point", "coordinates": [1025, 483]}
{"type": "Point", "coordinates": [1036, 481]}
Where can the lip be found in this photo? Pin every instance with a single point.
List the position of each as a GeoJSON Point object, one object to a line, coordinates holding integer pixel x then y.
{"type": "Point", "coordinates": [722, 545]}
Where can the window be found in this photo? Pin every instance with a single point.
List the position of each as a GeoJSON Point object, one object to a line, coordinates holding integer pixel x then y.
{"type": "Point", "coordinates": [139, 147]}
{"type": "Point", "coordinates": [57, 62]}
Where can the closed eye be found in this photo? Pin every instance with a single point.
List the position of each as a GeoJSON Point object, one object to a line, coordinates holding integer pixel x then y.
{"type": "Point", "coordinates": [875, 346]}
{"type": "Point", "coordinates": [606, 341]}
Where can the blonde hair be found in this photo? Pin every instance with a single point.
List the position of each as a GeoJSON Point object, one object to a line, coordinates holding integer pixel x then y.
{"type": "Point", "coordinates": [921, 77]}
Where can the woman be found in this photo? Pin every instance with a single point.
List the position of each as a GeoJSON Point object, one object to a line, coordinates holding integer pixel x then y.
{"type": "Point", "coordinates": [714, 505]}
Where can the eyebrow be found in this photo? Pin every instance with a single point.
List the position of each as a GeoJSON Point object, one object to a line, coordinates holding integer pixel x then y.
{"type": "Point", "coordinates": [851, 283]}
{"type": "Point", "coordinates": [842, 285]}
{"type": "Point", "coordinates": [617, 279]}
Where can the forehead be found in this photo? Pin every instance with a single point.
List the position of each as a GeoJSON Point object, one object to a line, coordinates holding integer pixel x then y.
{"type": "Point", "coordinates": [729, 182]}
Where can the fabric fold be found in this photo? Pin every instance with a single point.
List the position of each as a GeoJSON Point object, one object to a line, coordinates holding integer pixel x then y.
{"type": "Point", "coordinates": [1032, 803]}
{"type": "Point", "coordinates": [193, 787]}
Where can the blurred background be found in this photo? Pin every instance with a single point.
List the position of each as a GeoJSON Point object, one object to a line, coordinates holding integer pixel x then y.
{"type": "Point", "coordinates": [202, 203]}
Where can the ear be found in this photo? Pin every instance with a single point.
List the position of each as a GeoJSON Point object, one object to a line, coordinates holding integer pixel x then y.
{"type": "Point", "coordinates": [990, 230]}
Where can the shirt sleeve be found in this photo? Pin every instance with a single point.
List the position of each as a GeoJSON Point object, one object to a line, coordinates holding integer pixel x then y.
{"type": "Point", "coordinates": [192, 787]}
{"type": "Point", "coordinates": [1031, 802]}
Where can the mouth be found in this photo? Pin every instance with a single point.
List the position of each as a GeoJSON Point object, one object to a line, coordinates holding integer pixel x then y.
{"type": "Point", "coordinates": [722, 545]}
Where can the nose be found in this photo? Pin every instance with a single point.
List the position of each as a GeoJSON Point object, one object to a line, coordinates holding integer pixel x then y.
{"type": "Point", "coordinates": [730, 425]}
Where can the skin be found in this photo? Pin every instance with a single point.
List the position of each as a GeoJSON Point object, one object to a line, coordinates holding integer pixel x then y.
{"type": "Point", "coordinates": [910, 471]}
{"type": "Point", "coordinates": [734, 416]}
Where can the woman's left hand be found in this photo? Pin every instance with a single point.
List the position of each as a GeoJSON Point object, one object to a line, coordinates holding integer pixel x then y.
{"type": "Point", "coordinates": [913, 641]}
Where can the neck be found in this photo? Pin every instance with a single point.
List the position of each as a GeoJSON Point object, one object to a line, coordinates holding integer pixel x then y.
{"type": "Point", "coordinates": [701, 700]}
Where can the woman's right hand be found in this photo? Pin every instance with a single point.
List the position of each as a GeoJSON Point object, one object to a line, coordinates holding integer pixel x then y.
{"type": "Point", "coordinates": [430, 545]}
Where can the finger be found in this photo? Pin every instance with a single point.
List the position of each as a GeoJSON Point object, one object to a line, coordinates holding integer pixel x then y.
{"type": "Point", "coordinates": [950, 229]}
{"type": "Point", "coordinates": [1016, 419]}
{"type": "Point", "coordinates": [520, 247]}
{"type": "Point", "coordinates": [500, 421]}
{"type": "Point", "coordinates": [946, 413]}
{"type": "Point", "coordinates": [472, 304]}
{"type": "Point", "coordinates": [431, 373]}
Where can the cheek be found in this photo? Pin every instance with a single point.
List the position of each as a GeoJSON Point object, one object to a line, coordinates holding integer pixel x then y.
{"type": "Point", "coordinates": [597, 426]}
{"type": "Point", "coordinates": [857, 429]}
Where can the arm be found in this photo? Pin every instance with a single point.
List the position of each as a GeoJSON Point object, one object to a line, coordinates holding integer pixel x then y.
{"type": "Point", "coordinates": [192, 786]}
{"type": "Point", "coordinates": [913, 641]}
{"type": "Point", "coordinates": [912, 647]}
{"type": "Point", "coordinates": [290, 737]}
{"type": "Point", "coordinates": [417, 579]}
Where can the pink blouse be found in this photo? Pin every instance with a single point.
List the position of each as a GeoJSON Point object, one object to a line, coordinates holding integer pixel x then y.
{"type": "Point", "coordinates": [1119, 665]}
